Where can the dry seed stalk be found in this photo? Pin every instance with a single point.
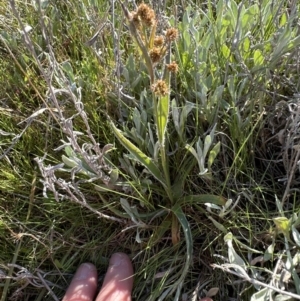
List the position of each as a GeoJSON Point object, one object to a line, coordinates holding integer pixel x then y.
{"type": "Point", "coordinates": [142, 26]}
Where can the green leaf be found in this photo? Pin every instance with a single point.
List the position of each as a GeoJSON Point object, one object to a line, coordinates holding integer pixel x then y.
{"type": "Point", "coordinates": [218, 225]}
{"type": "Point", "coordinates": [225, 51]}
{"type": "Point", "coordinates": [213, 154]}
{"type": "Point", "coordinates": [114, 175]}
{"type": "Point", "coordinates": [207, 144]}
{"type": "Point", "coordinates": [283, 20]}
{"type": "Point", "coordinates": [253, 12]}
{"type": "Point", "coordinates": [195, 154]}
{"type": "Point", "coordinates": [58, 264]}
{"type": "Point", "coordinates": [258, 58]}
{"type": "Point", "coordinates": [137, 236]}
{"type": "Point", "coordinates": [136, 116]}
{"type": "Point", "coordinates": [283, 225]}
{"type": "Point", "coordinates": [247, 247]}
{"type": "Point", "coordinates": [296, 259]}
{"type": "Point", "coordinates": [179, 183]}
{"type": "Point", "coordinates": [69, 151]}
{"type": "Point", "coordinates": [245, 21]}
{"type": "Point", "coordinates": [262, 295]}
{"type": "Point", "coordinates": [246, 45]}
{"type": "Point", "coordinates": [136, 81]}
{"type": "Point", "coordinates": [296, 220]}
{"type": "Point", "coordinates": [282, 45]}
{"type": "Point", "coordinates": [188, 239]}
{"type": "Point", "coordinates": [231, 87]}
{"type": "Point", "coordinates": [182, 124]}
{"type": "Point", "coordinates": [232, 255]}
{"type": "Point", "coordinates": [279, 205]}
{"type": "Point", "coordinates": [66, 66]}
{"type": "Point", "coordinates": [294, 43]}
{"type": "Point", "coordinates": [69, 162]}
{"type": "Point", "coordinates": [269, 252]}
{"type": "Point", "coordinates": [163, 107]}
{"type": "Point", "coordinates": [296, 235]}
{"type": "Point", "coordinates": [233, 9]}
{"type": "Point", "coordinates": [131, 211]}
{"type": "Point", "coordinates": [219, 9]}
{"type": "Point", "coordinates": [138, 154]}
{"type": "Point", "coordinates": [185, 33]}
{"type": "Point", "coordinates": [281, 297]}
{"type": "Point", "coordinates": [216, 97]}
{"type": "Point", "coordinates": [175, 115]}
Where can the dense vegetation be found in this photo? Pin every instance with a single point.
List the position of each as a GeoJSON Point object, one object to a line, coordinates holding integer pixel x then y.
{"type": "Point", "coordinates": [168, 131]}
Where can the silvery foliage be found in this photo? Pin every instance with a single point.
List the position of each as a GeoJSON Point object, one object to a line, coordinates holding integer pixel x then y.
{"type": "Point", "coordinates": [84, 154]}
{"type": "Point", "coordinates": [280, 283]}
{"type": "Point", "coordinates": [37, 278]}
{"type": "Point", "coordinates": [84, 158]}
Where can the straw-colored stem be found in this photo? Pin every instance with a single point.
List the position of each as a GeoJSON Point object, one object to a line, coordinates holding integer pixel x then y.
{"type": "Point", "coordinates": [144, 50]}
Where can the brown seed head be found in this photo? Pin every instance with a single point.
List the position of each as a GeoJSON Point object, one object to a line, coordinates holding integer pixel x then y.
{"type": "Point", "coordinates": [171, 34]}
{"type": "Point", "coordinates": [159, 41]}
{"type": "Point", "coordinates": [136, 20]}
{"type": "Point", "coordinates": [173, 67]}
{"type": "Point", "coordinates": [155, 54]}
{"type": "Point", "coordinates": [147, 15]}
{"type": "Point", "coordinates": [160, 88]}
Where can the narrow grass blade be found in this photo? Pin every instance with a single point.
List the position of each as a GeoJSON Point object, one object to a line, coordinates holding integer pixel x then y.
{"type": "Point", "coordinates": [138, 154]}
{"type": "Point", "coordinates": [189, 242]}
{"type": "Point", "coordinates": [6, 283]}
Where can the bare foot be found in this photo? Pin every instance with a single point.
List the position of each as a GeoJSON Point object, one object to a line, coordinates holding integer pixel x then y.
{"type": "Point", "coordinates": [117, 283]}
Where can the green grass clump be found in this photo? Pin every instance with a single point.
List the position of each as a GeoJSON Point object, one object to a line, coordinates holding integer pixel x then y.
{"type": "Point", "coordinates": [168, 133]}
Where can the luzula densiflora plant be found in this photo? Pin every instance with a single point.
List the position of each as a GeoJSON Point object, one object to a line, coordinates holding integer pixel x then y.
{"type": "Point", "coordinates": [155, 50]}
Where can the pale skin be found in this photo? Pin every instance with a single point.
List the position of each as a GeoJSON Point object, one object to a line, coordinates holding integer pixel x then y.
{"type": "Point", "coordinates": [117, 285]}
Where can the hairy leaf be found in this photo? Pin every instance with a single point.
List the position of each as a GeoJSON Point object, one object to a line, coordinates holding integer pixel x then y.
{"type": "Point", "coordinates": [138, 154]}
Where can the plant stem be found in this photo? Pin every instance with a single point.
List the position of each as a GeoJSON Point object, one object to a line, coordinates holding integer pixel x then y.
{"type": "Point", "coordinates": [163, 156]}
{"type": "Point", "coordinates": [10, 272]}
{"type": "Point", "coordinates": [166, 172]}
